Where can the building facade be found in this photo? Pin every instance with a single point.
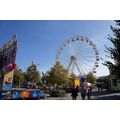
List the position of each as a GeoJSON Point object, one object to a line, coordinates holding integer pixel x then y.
{"type": "Point", "coordinates": [8, 52]}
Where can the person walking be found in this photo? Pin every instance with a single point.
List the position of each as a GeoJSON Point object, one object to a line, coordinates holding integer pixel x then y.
{"type": "Point", "coordinates": [74, 93]}
{"type": "Point", "coordinates": [83, 92]}
{"type": "Point", "coordinates": [88, 94]}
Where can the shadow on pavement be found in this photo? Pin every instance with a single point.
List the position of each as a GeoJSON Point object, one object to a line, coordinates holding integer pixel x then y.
{"type": "Point", "coordinates": [99, 93]}
{"type": "Point", "coordinates": [105, 95]}
{"type": "Point", "coordinates": [111, 97]}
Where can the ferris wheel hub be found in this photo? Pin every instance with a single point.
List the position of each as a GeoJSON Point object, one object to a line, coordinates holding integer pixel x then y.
{"type": "Point", "coordinates": [73, 57]}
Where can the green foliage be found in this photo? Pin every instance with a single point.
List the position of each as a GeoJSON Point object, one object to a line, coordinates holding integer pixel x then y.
{"type": "Point", "coordinates": [91, 78]}
{"type": "Point", "coordinates": [57, 93]}
{"type": "Point", "coordinates": [114, 52]}
{"type": "Point", "coordinates": [32, 74]}
{"type": "Point", "coordinates": [18, 78]}
{"type": "Point", "coordinates": [57, 75]}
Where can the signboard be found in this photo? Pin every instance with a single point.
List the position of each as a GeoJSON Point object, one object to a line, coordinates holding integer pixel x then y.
{"type": "Point", "coordinates": [8, 76]}
{"type": "Point", "coordinates": [8, 79]}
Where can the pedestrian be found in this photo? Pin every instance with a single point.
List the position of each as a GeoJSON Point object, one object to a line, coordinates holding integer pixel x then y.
{"type": "Point", "coordinates": [90, 88]}
{"type": "Point", "coordinates": [98, 86]}
{"type": "Point", "coordinates": [74, 93]}
{"type": "Point", "coordinates": [83, 92]}
{"type": "Point", "coordinates": [77, 89]}
{"type": "Point", "coordinates": [88, 94]}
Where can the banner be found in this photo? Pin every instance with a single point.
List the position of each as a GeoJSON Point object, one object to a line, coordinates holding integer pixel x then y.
{"type": "Point", "coordinates": [8, 79]}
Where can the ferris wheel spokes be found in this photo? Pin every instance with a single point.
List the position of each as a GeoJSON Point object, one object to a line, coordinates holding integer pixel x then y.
{"type": "Point", "coordinates": [80, 54]}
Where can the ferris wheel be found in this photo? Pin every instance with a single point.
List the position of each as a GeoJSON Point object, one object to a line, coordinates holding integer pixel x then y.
{"type": "Point", "coordinates": [79, 55]}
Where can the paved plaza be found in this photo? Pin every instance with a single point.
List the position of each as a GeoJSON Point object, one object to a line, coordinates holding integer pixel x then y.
{"type": "Point", "coordinates": [96, 95]}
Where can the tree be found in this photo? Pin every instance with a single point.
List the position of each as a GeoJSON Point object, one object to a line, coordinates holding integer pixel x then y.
{"type": "Point", "coordinates": [57, 75]}
{"type": "Point", "coordinates": [90, 78]}
{"type": "Point", "coordinates": [18, 79]}
{"type": "Point", "coordinates": [114, 52]}
{"type": "Point", "coordinates": [32, 74]}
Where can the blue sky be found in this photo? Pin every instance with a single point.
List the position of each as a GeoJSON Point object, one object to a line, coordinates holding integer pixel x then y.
{"type": "Point", "coordinates": [39, 40]}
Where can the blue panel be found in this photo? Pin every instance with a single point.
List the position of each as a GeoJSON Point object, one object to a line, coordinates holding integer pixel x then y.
{"type": "Point", "coordinates": [16, 95]}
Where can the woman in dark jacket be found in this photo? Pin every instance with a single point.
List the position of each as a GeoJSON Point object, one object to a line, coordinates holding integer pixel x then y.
{"type": "Point", "coordinates": [74, 93]}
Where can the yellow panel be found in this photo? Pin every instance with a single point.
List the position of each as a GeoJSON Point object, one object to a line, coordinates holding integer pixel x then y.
{"type": "Point", "coordinates": [77, 82]}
